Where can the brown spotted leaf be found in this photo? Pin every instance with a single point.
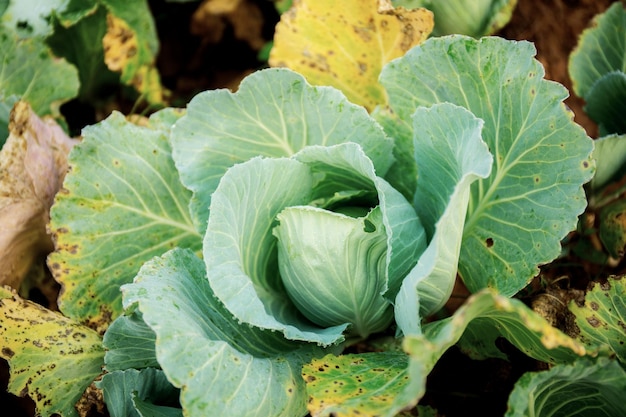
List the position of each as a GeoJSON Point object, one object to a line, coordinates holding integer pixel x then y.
{"type": "Point", "coordinates": [602, 319]}
{"type": "Point", "coordinates": [346, 47]}
{"type": "Point", "coordinates": [33, 163]}
{"type": "Point", "coordinates": [122, 204]}
{"type": "Point", "coordinates": [52, 358]}
{"type": "Point", "coordinates": [363, 384]}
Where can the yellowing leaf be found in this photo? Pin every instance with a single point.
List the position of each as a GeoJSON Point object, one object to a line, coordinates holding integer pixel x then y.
{"type": "Point", "coordinates": [33, 163]}
{"type": "Point", "coordinates": [120, 44]}
{"type": "Point", "coordinates": [52, 358]}
{"type": "Point", "coordinates": [346, 45]}
{"type": "Point", "coordinates": [130, 47]}
{"type": "Point", "coordinates": [361, 384]}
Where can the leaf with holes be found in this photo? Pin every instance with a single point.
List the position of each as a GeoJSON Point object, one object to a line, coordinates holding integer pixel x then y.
{"type": "Point", "coordinates": [519, 214]}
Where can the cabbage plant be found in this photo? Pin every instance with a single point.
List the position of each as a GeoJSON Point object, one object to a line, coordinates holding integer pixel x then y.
{"type": "Point", "coordinates": [258, 235]}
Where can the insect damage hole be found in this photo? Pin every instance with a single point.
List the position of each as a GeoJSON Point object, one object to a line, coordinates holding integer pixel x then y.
{"type": "Point", "coordinates": [489, 242]}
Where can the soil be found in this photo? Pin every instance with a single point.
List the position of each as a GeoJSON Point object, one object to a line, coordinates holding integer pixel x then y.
{"type": "Point", "coordinates": [196, 57]}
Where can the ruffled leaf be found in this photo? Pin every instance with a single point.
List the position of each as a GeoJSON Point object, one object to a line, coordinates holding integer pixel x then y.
{"type": "Point", "coordinates": [582, 388]}
{"type": "Point", "coordinates": [483, 318]}
{"type": "Point", "coordinates": [601, 49]}
{"type": "Point", "coordinates": [534, 194]}
{"type": "Point", "coordinates": [274, 113]}
{"type": "Point", "coordinates": [122, 204]}
{"type": "Point", "coordinates": [222, 366]}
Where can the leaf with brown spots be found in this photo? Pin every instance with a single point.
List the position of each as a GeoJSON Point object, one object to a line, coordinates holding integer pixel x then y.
{"type": "Point", "coordinates": [346, 47]}
{"type": "Point", "coordinates": [122, 204]}
{"type": "Point", "coordinates": [363, 384]}
{"type": "Point", "coordinates": [33, 163]}
{"type": "Point", "coordinates": [602, 319]}
{"type": "Point", "coordinates": [52, 358]}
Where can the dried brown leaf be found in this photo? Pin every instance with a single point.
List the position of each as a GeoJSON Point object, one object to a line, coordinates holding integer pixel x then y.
{"type": "Point", "coordinates": [33, 163]}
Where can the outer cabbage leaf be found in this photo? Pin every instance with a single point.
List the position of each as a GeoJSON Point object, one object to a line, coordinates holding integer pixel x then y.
{"type": "Point", "coordinates": [363, 384]}
{"type": "Point", "coordinates": [387, 382]}
{"type": "Point", "coordinates": [28, 70]}
{"type": "Point", "coordinates": [483, 312]}
{"type": "Point", "coordinates": [583, 388]}
{"type": "Point", "coordinates": [519, 214]}
{"type": "Point", "coordinates": [606, 103]}
{"type": "Point", "coordinates": [122, 204]}
{"type": "Point", "coordinates": [129, 343]}
{"type": "Point", "coordinates": [240, 251]}
{"type": "Point", "coordinates": [76, 44]}
{"type": "Point", "coordinates": [601, 49]}
{"type": "Point", "coordinates": [347, 46]}
{"type": "Point", "coordinates": [274, 113]}
{"type": "Point", "coordinates": [222, 366]}
{"type": "Point", "coordinates": [52, 358]}
{"type": "Point", "coordinates": [121, 389]}
{"type": "Point", "coordinates": [450, 156]}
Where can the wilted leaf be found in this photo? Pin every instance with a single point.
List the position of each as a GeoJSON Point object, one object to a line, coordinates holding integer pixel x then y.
{"type": "Point", "coordinates": [346, 46]}
{"type": "Point", "coordinates": [349, 385]}
{"type": "Point", "coordinates": [52, 358]}
{"type": "Point", "coordinates": [122, 204]}
{"type": "Point", "coordinates": [602, 319]}
{"type": "Point", "coordinates": [33, 163]}
{"type": "Point", "coordinates": [583, 388]}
